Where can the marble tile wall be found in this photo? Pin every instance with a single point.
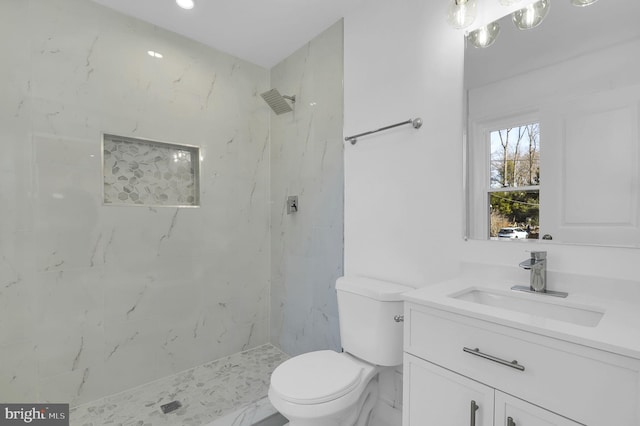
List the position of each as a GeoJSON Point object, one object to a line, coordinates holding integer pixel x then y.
{"type": "Point", "coordinates": [95, 299]}
{"type": "Point", "coordinates": [306, 160]}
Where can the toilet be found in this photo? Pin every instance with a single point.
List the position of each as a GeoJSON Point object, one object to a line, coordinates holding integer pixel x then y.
{"type": "Point", "coordinates": [328, 388]}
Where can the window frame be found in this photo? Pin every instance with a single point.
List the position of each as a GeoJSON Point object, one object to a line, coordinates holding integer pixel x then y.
{"type": "Point", "coordinates": [479, 157]}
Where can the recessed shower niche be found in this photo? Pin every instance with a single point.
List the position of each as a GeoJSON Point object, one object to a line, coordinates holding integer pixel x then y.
{"type": "Point", "coordinates": [150, 173]}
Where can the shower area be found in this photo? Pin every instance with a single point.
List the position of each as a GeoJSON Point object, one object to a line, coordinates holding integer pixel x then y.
{"type": "Point", "coordinates": [104, 293]}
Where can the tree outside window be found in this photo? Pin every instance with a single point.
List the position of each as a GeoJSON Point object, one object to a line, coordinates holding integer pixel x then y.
{"type": "Point", "coordinates": [514, 195]}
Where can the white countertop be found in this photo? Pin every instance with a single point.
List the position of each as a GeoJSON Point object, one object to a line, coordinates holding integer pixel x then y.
{"type": "Point", "coordinates": [618, 331]}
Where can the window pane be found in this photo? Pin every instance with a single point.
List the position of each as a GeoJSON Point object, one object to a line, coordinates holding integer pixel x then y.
{"type": "Point", "coordinates": [514, 214]}
{"type": "Point", "coordinates": [515, 156]}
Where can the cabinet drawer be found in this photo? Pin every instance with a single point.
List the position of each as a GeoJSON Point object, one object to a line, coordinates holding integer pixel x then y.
{"type": "Point", "coordinates": [591, 386]}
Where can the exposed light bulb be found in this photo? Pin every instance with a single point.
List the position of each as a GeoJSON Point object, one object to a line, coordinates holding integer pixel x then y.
{"type": "Point", "coordinates": [582, 3]}
{"type": "Point", "coordinates": [531, 16]}
{"type": "Point", "coordinates": [484, 36]}
{"type": "Point", "coordinates": [185, 4]}
{"type": "Point", "coordinates": [462, 13]}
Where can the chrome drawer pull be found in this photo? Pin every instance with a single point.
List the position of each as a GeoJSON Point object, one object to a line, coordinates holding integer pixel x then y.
{"type": "Point", "coordinates": [512, 364]}
{"type": "Point", "coordinates": [474, 408]}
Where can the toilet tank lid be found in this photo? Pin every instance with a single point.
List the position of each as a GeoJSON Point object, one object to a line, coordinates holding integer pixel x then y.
{"type": "Point", "coordinates": [383, 291]}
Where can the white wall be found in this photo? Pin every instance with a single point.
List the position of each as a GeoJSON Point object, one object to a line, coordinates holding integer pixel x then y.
{"type": "Point", "coordinates": [403, 188]}
{"type": "Point", "coordinates": [403, 200]}
{"type": "Point", "coordinates": [95, 299]}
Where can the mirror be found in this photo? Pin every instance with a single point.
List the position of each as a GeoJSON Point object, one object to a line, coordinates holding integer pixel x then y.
{"type": "Point", "coordinates": [552, 146]}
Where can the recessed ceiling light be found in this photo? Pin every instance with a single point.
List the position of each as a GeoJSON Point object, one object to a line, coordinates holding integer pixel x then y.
{"type": "Point", "coordinates": [185, 4]}
{"type": "Point", "coordinates": [154, 54]}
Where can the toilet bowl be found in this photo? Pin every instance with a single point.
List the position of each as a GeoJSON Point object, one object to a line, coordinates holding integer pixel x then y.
{"type": "Point", "coordinates": [324, 388]}
{"type": "Point", "coordinates": [328, 388]}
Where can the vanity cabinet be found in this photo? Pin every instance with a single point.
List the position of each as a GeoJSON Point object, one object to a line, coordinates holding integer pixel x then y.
{"type": "Point", "coordinates": [452, 359]}
{"type": "Point", "coordinates": [437, 396]}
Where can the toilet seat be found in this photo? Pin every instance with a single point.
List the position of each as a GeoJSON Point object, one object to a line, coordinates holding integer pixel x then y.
{"type": "Point", "coordinates": [318, 377]}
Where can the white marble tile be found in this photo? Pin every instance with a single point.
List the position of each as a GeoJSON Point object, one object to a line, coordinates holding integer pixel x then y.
{"type": "Point", "coordinates": [306, 160]}
{"type": "Point", "coordinates": [18, 372]}
{"type": "Point", "coordinates": [15, 187]}
{"type": "Point", "coordinates": [73, 387]}
{"type": "Point", "coordinates": [70, 334]}
{"type": "Point", "coordinates": [17, 301]}
{"type": "Point", "coordinates": [247, 415]}
{"type": "Point", "coordinates": [111, 297]}
{"type": "Point", "coordinates": [129, 356]}
{"type": "Point", "coordinates": [230, 390]}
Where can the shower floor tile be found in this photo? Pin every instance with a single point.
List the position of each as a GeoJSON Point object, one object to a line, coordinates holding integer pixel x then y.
{"type": "Point", "coordinates": [208, 392]}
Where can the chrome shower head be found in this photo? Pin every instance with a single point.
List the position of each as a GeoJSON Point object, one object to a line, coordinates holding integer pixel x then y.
{"type": "Point", "coordinates": [277, 101]}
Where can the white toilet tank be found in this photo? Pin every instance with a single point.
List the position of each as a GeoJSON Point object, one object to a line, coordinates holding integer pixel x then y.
{"type": "Point", "coordinates": [366, 308]}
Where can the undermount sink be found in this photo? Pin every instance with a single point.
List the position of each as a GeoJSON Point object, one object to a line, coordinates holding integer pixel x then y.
{"type": "Point", "coordinates": [532, 304]}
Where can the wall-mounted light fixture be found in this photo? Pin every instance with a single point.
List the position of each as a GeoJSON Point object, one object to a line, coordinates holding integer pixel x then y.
{"type": "Point", "coordinates": [528, 17]}
{"type": "Point", "coordinates": [582, 3]}
{"type": "Point", "coordinates": [484, 36]}
{"type": "Point", "coordinates": [185, 4]}
{"type": "Point", "coordinates": [531, 16]}
{"type": "Point", "coordinates": [462, 13]}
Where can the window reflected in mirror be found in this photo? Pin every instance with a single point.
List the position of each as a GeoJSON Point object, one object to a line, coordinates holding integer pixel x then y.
{"type": "Point", "coordinates": [514, 210]}
{"type": "Point", "coordinates": [514, 188]}
{"type": "Point", "coordinates": [515, 156]}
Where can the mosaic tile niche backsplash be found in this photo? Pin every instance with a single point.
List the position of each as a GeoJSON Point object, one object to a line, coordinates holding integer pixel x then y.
{"type": "Point", "coordinates": [143, 172]}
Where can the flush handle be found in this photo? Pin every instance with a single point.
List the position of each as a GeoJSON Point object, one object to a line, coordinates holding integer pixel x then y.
{"type": "Point", "coordinates": [398, 318]}
{"type": "Point", "coordinates": [510, 421]}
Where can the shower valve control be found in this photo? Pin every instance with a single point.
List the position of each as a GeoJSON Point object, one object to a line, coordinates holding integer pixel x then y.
{"type": "Point", "coordinates": [292, 204]}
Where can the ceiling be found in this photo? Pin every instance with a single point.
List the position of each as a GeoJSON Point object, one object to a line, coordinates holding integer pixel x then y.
{"type": "Point", "coordinates": [260, 31]}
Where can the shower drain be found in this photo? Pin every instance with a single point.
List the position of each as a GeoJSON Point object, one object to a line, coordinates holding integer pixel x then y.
{"type": "Point", "coordinates": [170, 406]}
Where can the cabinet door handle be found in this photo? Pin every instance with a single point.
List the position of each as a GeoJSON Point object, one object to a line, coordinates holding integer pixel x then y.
{"type": "Point", "coordinates": [510, 421]}
{"type": "Point", "coordinates": [474, 408]}
{"type": "Point", "coordinates": [512, 364]}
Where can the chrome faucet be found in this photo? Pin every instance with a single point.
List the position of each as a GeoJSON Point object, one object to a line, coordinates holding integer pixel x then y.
{"type": "Point", "coordinates": [537, 264]}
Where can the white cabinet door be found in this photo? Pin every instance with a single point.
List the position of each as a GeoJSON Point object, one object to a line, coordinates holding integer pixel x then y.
{"type": "Point", "coordinates": [512, 411]}
{"type": "Point", "coordinates": [437, 397]}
